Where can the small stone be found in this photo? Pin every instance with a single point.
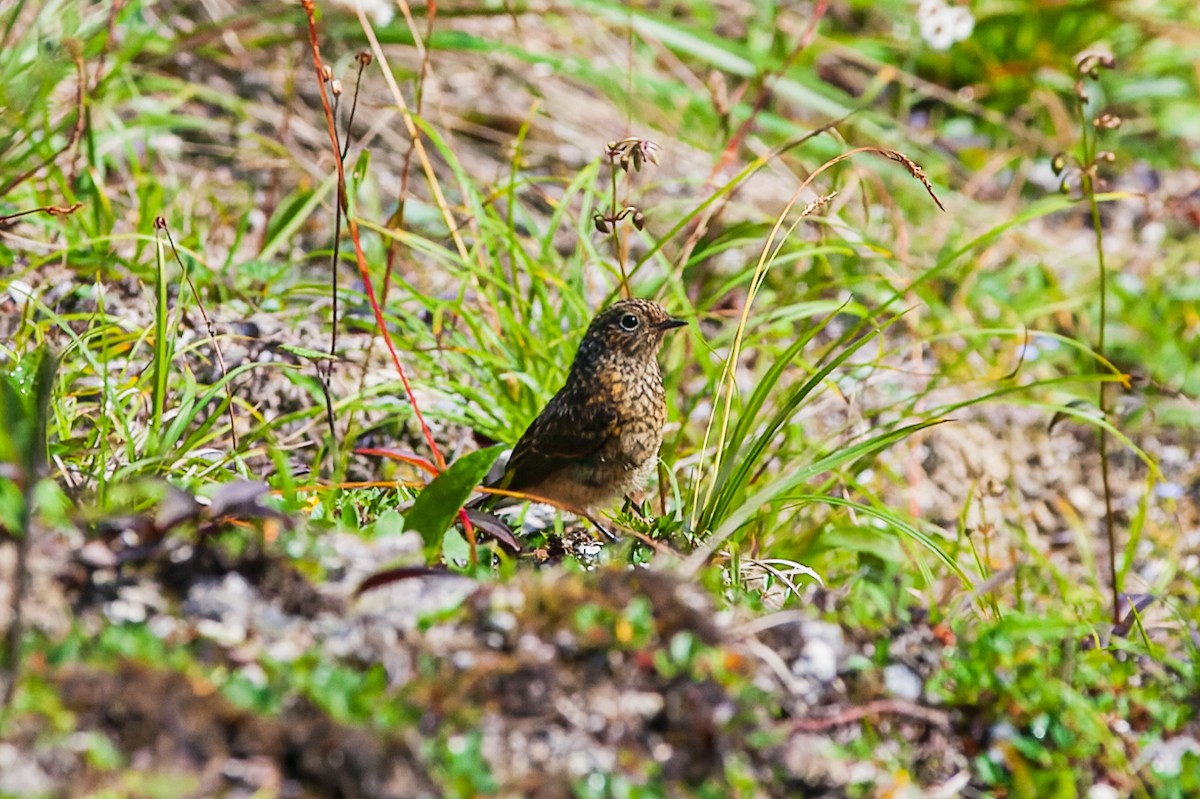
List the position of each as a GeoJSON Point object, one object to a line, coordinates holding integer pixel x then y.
{"type": "Point", "coordinates": [122, 611]}
{"type": "Point", "coordinates": [226, 634]}
{"type": "Point", "coordinates": [903, 682]}
{"type": "Point", "coordinates": [21, 775]}
{"type": "Point", "coordinates": [1103, 790]}
{"type": "Point", "coordinates": [97, 555]}
{"type": "Point", "coordinates": [822, 648]}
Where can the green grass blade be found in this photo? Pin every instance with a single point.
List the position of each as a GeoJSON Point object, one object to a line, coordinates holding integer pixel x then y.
{"type": "Point", "coordinates": [893, 520]}
{"type": "Point", "coordinates": [161, 363]}
{"type": "Point", "coordinates": [781, 486]}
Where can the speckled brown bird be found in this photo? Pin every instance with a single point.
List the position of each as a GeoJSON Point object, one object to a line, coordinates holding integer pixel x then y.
{"type": "Point", "coordinates": [598, 437]}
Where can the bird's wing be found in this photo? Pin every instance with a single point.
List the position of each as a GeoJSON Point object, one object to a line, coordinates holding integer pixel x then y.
{"type": "Point", "coordinates": [571, 427]}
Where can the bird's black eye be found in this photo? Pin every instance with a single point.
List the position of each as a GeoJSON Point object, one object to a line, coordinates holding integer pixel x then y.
{"type": "Point", "coordinates": [629, 322]}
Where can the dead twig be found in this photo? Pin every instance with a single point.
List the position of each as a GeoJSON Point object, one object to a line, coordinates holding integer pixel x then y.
{"type": "Point", "coordinates": [880, 707]}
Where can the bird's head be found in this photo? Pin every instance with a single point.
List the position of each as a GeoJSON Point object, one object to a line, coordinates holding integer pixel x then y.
{"type": "Point", "coordinates": [630, 328]}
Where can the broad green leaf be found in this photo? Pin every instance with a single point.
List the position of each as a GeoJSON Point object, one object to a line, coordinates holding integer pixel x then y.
{"type": "Point", "coordinates": [436, 506]}
{"type": "Point", "coordinates": [455, 548]}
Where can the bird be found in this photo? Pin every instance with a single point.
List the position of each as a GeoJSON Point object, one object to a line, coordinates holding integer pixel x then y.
{"type": "Point", "coordinates": [598, 438]}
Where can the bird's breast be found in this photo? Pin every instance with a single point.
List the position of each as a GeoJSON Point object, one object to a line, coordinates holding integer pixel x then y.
{"type": "Point", "coordinates": [641, 412]}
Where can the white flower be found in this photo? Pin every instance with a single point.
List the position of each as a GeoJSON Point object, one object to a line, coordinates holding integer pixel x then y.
{"type": "Point", "coordinates": [942, 25]}
{"type": "Point", "coordinates": [380, 11]}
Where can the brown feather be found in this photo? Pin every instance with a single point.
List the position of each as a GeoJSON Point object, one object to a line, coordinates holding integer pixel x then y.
{"type": "Point", "coordinates": [569, 429]}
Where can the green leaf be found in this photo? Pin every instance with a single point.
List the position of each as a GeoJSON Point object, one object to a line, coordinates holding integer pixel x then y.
{"type": "Point", "coordinates": [15, 414]}
{"type": "Point", "coordinates": [306, 353]}
{"type": "Point", "coordinates": [388, 523]}
{"type": "Point", "coordinates": [25, 397]}
{"type": "Point", "coordinates": [436, 506]}
{"type": "Point", "coordinates": [455, 548]}
{"type": "Point", "coordinates": [883, 544]}
{"type": "Point", "coordinates": [362, 166]}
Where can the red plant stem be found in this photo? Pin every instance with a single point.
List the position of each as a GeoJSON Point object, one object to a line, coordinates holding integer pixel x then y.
{"type": "Point", "coordinates": [361, 259]}
{"type": "Point", "coordinates": [352, 224]}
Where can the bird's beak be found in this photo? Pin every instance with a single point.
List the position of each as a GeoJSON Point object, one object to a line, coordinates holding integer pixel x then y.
{"type": "Point", "coordinates": [670, 324]}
